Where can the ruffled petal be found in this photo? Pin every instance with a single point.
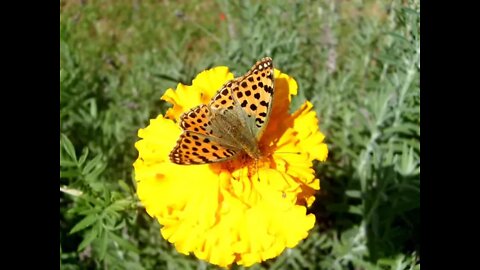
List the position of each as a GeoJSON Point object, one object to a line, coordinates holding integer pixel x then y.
{"type": "Point", "coordinates": [203, 87]}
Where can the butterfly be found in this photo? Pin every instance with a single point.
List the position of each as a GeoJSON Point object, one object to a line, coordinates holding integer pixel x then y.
{"type": "Point", "coordinates": [231, 123]}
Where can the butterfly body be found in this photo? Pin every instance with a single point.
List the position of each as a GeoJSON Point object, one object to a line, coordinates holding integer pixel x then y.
{"type": "Point", "coordinates": [232, 123]}
{"type": "Point", "coordinates": [235, 132]}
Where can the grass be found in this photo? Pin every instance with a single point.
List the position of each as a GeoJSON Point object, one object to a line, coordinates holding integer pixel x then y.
{"type": "Point", "coordinates": [356, 61]}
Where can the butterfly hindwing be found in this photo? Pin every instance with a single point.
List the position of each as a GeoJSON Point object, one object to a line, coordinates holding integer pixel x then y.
{"type": "Point", "coordinates": [196, 148]}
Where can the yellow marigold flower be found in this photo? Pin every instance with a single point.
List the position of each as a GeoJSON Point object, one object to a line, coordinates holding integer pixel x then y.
{"type": "Point", "coordinates": [223, 213]}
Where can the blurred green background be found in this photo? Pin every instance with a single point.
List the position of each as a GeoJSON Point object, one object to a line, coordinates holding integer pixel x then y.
{"type": "Point", "coordinates": [356, 61]}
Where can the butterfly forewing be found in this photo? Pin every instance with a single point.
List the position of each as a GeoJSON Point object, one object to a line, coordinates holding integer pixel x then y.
{"type": "Point", "coordinates": [223, 99]}
{"type": "Point", "coordinates": [254, 93]}
{"type": "Point", "coordinates": [197, 120]}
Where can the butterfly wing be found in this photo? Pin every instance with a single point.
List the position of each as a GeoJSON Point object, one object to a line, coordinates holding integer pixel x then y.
{"type": "Point", "coordinates": [223, 99]}
{"type": "Point", "coordinates": [199, 144]}
{"type": "Point", "coordinates": [196, 148]}
{"type": "Point", "coordinates": [197, 120]}
{"type": "Point", "coordinates": [254, 94]}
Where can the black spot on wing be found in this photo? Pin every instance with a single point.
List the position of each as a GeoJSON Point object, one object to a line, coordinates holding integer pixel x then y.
{"type": "Point", "coordinates": [268, 89]}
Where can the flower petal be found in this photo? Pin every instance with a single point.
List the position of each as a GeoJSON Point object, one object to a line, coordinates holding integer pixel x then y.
{"type": "Point", "coordinates": [203, 87]}
{"type": "Point", "coordinates": [229, 212]}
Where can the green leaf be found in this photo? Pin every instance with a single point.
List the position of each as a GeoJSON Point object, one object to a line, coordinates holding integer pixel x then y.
{"type": "Point", "coordinates": [83, 157]}
{"type": "Point", "coordinates": [67, 163]}
{"type": "Point", "coordinates": [124, 243]}
{"type": "Point", "coordinates": [68, 146]}
{"type": "Point", "coordinates": [124, 186]}
{"type": "Point", "coordinates": [84, 223]}
{"type": "Point", "coordinates": [411, 11]}
{"type": "Point", "coordinates": [398, 37]}
{"type": "Point", "coordinates": [120, 205]}
{"type": "Point", "coordinates": [96, 172]}
{"type": "Point", "coordinates": [405, 128]}
{"type": "Point", "coordinates": [103, 245]}
{"type": "Point", "coordinates": [408, 163]}
{"type": "Point", "coordinates": [93, 108]}
{"type": "Point", "coordinates": [92, 211]}
{"type": "Point", "coordinates": [354, 193]}
{"type": "Point", "coordinates": [63, 75]}
{"type": "Point", "coordinates": [91, 164]}
{"type": "Point", "coordinates": [89, 237]}
{"type": "Point", "coordinates": [68, 174]}
{"type": "Point", "coordinates": [355, 210]}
